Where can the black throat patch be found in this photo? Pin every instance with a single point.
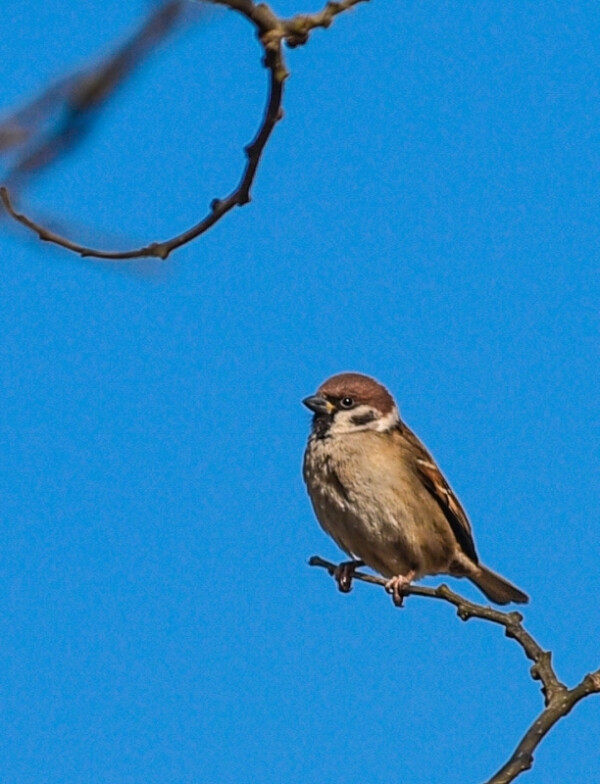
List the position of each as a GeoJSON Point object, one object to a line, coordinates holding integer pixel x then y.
{"type": "Point", "coordinates": [322, 424]}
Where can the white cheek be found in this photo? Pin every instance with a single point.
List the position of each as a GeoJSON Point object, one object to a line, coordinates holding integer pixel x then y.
{"type": "Point", "coordinates": [388, 421]}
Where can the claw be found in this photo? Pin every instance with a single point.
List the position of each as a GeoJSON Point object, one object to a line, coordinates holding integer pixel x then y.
{"type": "Point", "coordinates": [396, 586]}
{"type": "Point", "coordinates": [344, 573]}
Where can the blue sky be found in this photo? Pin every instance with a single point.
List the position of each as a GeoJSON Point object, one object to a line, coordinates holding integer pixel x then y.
{"type": "Point", "coordinates": [427, 212]}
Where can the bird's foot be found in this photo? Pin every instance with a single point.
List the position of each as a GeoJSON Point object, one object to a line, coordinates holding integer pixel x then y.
{"type": "Point", "coordinates": [397, 585]}
{"type": "Point", "coordinates": [344, 573]}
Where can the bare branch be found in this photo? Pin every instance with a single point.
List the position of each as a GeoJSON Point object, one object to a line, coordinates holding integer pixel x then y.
{"type": "Point", "coordinates": [558, 699]}
{"type": "Point", "coordinates": [219, 207]}
{"type": "Point", "coordinates": [272, 33]}
{"type": "Point", "coordinates": [299, 27]}
{"type": "Point", "coordinates": [561, 704]}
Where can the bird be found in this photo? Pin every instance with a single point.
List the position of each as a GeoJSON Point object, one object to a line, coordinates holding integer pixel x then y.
{"type": "Point", "coordinates": [379, 494]}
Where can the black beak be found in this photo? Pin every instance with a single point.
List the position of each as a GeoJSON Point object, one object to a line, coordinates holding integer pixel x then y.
{"type": "Point", "coordinates": [318, 404]}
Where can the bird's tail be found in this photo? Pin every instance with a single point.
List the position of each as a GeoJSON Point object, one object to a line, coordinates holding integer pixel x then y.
{"type": "Point", "coordinates": [496, 588]}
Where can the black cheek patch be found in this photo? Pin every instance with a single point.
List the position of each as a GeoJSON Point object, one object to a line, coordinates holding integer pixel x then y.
{"type": "Point", "coordinates": [321, 425]}
{"type": "Point", "coordinates": [362, 419]}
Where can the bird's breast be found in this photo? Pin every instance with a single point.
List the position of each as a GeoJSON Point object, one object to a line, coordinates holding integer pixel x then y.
{"type": "Point", "coordinates": [362, 498]}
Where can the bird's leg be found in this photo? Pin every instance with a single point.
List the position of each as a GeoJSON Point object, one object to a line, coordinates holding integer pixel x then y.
{"type": "Point", "coordinates": [344, 573]}
{"type": "Point", "coordinates": [396, 584]}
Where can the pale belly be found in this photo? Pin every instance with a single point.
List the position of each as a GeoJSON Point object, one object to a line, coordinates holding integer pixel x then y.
{"type": "Point", "coordinates": [368, 518]}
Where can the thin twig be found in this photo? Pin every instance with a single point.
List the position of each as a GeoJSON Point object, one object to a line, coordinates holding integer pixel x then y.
{"type": "Point", "coordinates": [558, 699]}
{"type": "Point", "coordinates": [299, 27]}
{"type": "Point", "coordinates": [265, 22]}
{"type": "Point", "coordinates": [561, 704]}
{"type": "Point", "coordinates": [272, 32]}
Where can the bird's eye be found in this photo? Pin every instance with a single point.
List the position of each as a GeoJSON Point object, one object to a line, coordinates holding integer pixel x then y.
{"type": "Point", "coordinates": [346, 402]}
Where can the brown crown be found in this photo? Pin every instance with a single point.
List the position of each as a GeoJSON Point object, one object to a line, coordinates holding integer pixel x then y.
{"type": "Point", "coordinates": [362, 388]}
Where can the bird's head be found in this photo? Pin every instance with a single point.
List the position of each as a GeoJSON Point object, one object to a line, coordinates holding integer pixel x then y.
{"type": "Point", "coordinates": [351, 402]}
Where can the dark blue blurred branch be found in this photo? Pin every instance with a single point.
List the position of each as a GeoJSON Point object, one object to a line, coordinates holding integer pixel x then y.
{"type": "Point", "coordinates": [57, 121]}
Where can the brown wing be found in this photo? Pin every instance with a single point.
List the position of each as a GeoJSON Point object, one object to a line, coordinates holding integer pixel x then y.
{"type": "Point", "coordinates": [441, 491]}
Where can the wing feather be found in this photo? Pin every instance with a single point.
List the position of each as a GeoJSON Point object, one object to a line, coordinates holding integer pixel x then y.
{"type": "Point", "coordinates": [434, 482]}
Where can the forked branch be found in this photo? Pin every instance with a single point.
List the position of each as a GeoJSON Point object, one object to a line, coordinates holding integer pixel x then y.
{"type": "Point", "coordinates": [558, 699]}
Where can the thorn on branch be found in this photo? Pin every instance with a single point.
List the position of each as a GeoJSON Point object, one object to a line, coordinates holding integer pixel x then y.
{"type": "Point", "coordinates": [535, 672]}
{"type": "Point", "coordinates": [159, 249]}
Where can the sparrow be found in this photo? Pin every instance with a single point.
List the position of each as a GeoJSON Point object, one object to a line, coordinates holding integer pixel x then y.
{"type": "Point", "coordinates": [379, 494]}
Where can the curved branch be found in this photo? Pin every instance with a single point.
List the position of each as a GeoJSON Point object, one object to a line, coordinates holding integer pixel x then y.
{"type": "Point", "coordinates": [559, 700]}
{"type": "Point", "coordinates": [272, 33]}
{"type": "Point", "coordinates": [274, 62]}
